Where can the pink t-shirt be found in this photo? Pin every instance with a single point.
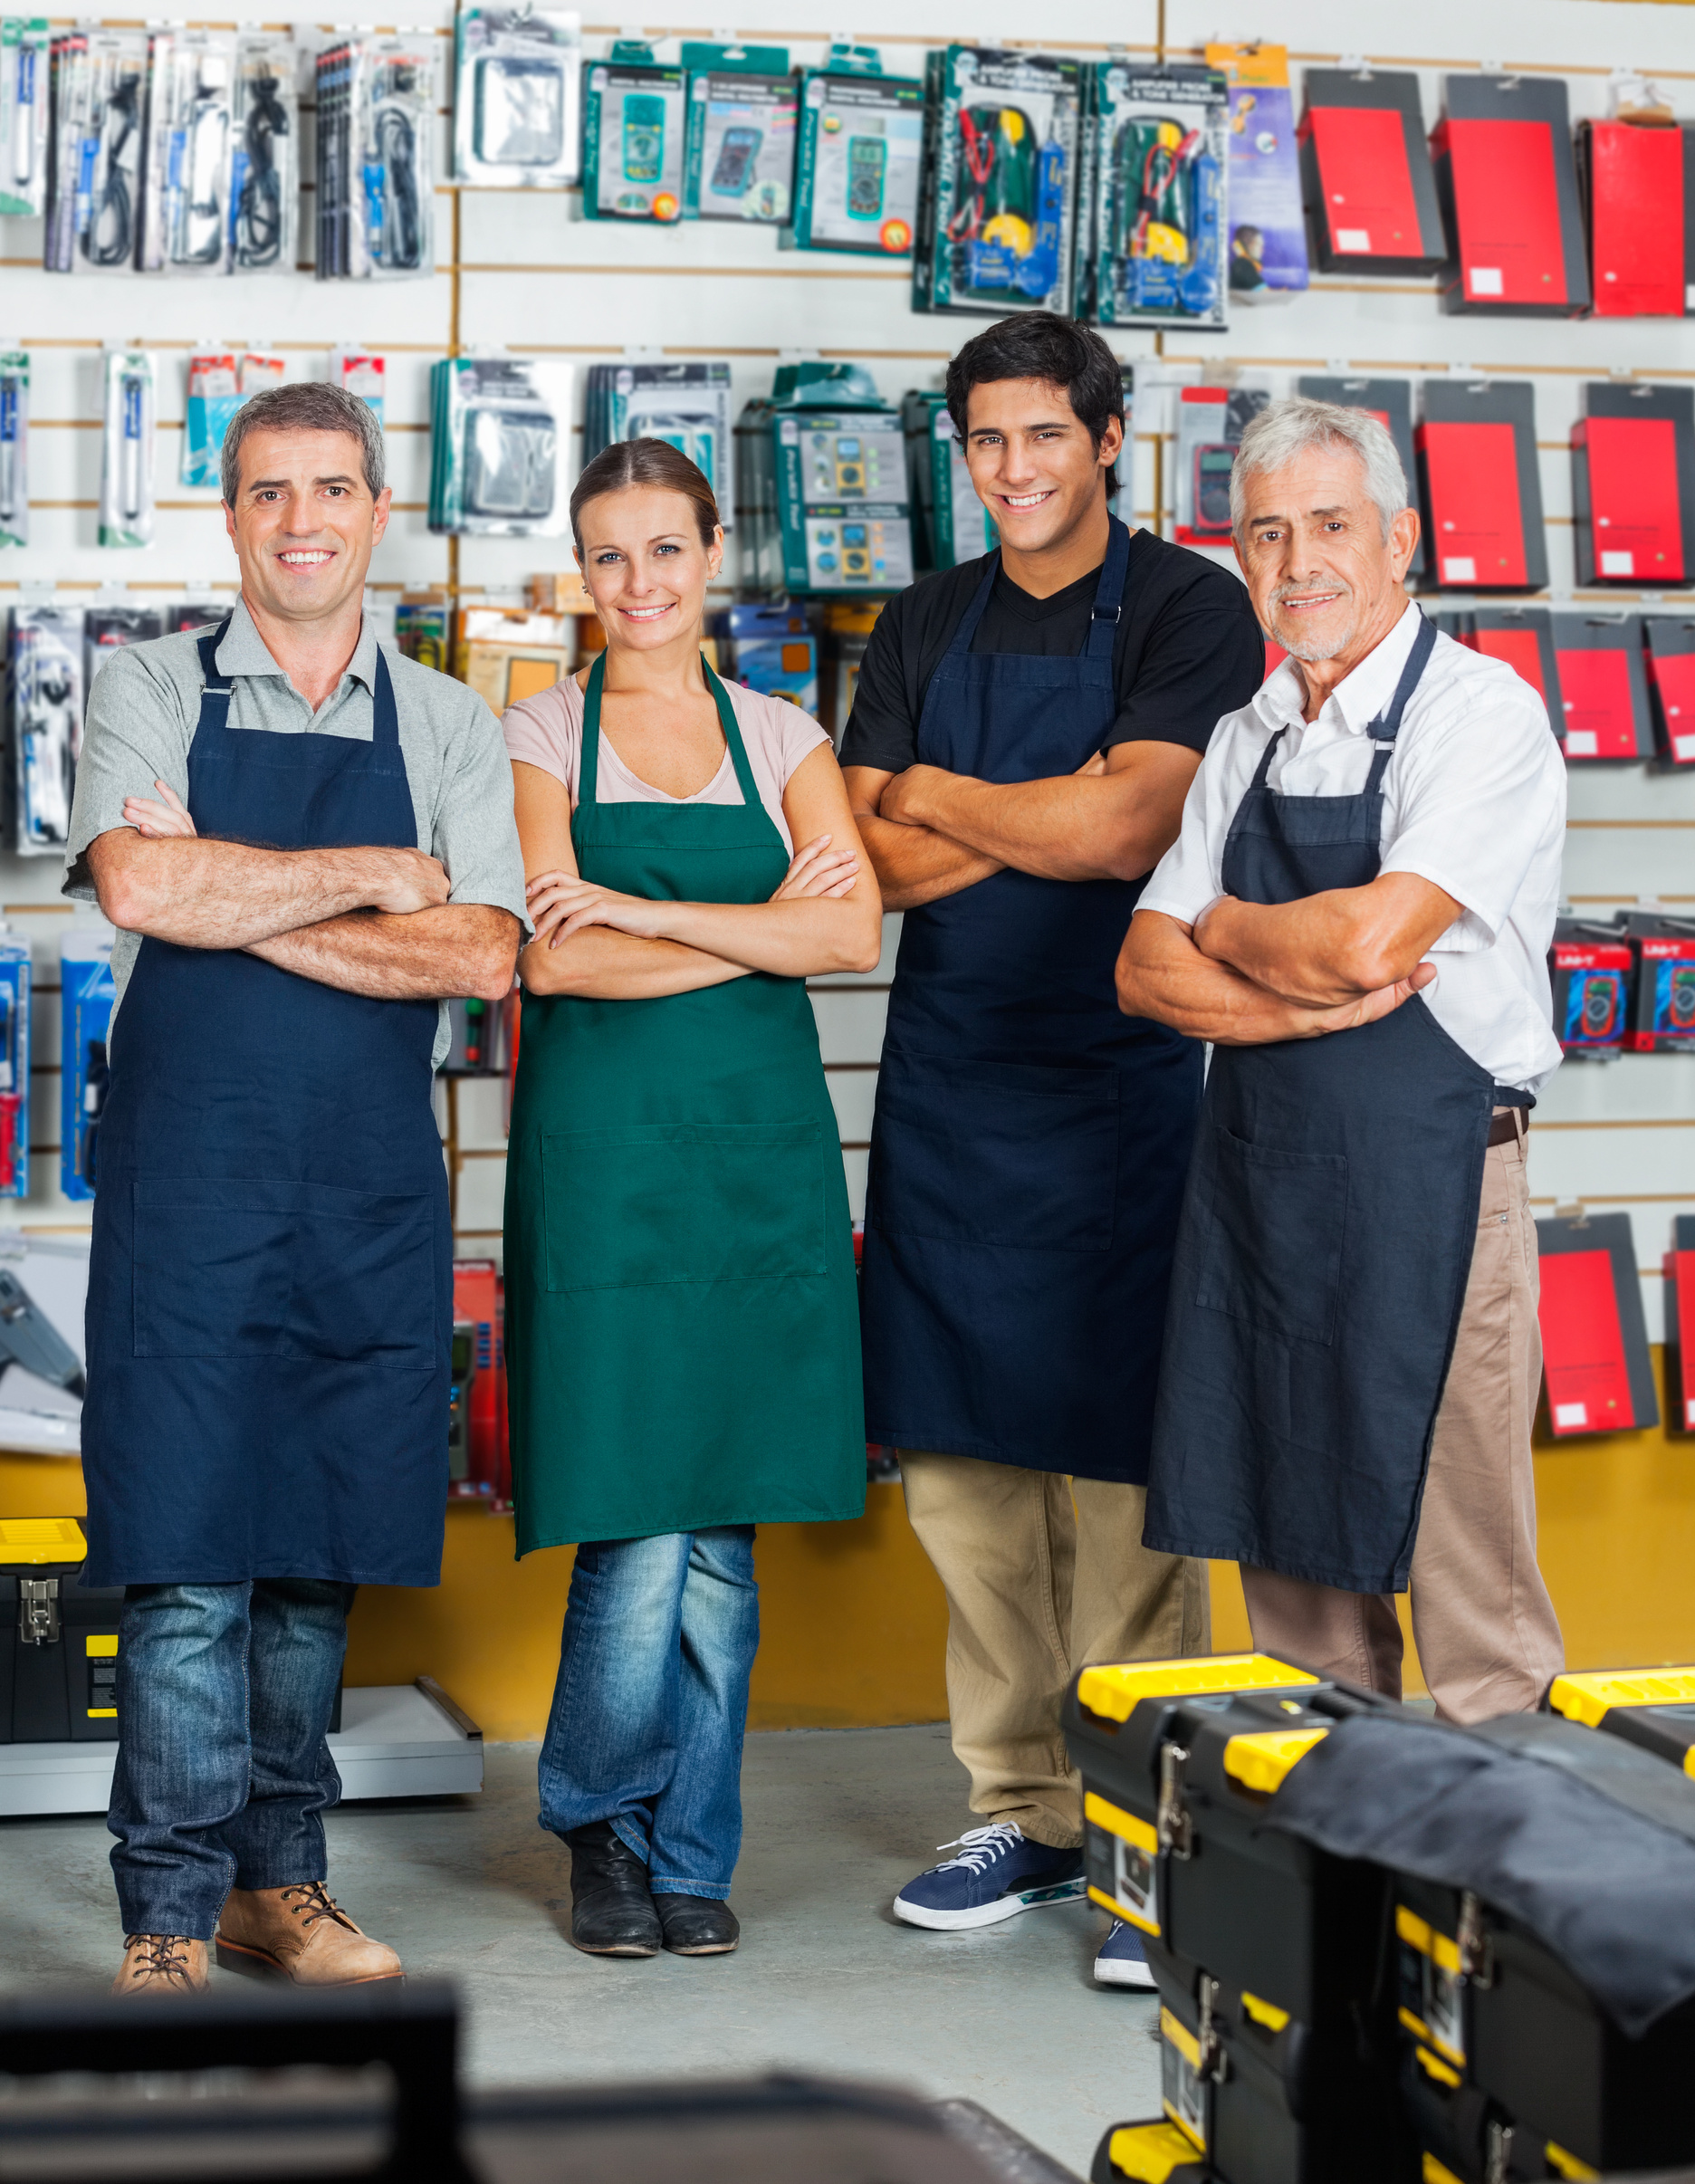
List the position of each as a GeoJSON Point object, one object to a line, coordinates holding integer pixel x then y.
{"type": "Point", "coordinates": [546, 730]}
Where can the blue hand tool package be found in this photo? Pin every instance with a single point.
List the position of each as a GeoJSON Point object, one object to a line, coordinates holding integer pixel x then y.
{"type": "Point", "coordinates": [15, 378]}
{"type": "Point", "coordinates": [516, 120]}
{"type": "Point", "coordinates": [996, 210]}
{"type": "Point", "coordinates": [375, 182]}
{"type": "Point", "coordinates": [86, 996]}
{"type": "Point", "coordinates": [1155, 194]}
{"type": "Point", "coordinates": [99, 95]}
{"type": "Point", "coordinates": [189, 146]}
{"type": "Point", "coordinates": [24, 87]}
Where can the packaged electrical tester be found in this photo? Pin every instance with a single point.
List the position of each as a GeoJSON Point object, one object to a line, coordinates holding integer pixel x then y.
{"type": "Point", "coordinates": [185, 224]}
{"type": "Point", "coordinates": [743, 108]}
{"type": "Point", "coordinates": [1596, 1368]}
{"type": "Point", "coordinates": [634, 123]}
{"type": "Point", "coordinates": [1670, 663]}
{"type": "Point", "coordinates": [44, 707]}
{"type": "Point", "coordinates": [1633, 483]}
{"type": "Point", "coordinates": [109, 625]}
{"type": "Point", "coordinates": [858, 156]}
{"type": "Point", "coordinates": [1663, 1020]}
{"type": "Point", "coordinates": [499, 447]}
{"type": "Point", "coordinates": [1153, 210]}
{"type": "Point", "coordinates": [14, 447]}
{"type": "Point", "coordinates": [518, 88]}
{"type": "Point", "coordinates": [1604, 706]}
{"type": "Point", "coordinates": [685, 405]}
{"type": "Point", "coordinates": [1211, 422]}
{"type": "Point", "coordinates": [1637, 180]}
{"type": "Point", "coordinates": [1508, 188]}
{"type": "Point", "coordinates": [949, 523]}
{"type": "Point", "coordinates": [996, 207]}
{"type": "Point", "coordinates": [23, 112]}
{"type": "Point", "coordinates": [825, 486]}
{"type": "Point", "coordinates": [1365, 169]}
{"type": "Point", "coordinates": [1592, 970]}
{"type": "Point", "coordinates": [1267, 250]}
{"type": "Point", "coordinates": [1481, 484]}
{"type": "Point", "coordinates": [85, 1007]}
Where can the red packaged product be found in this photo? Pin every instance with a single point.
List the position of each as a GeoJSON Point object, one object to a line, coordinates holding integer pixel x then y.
{"type": "Point", "coordinates": [1635, 178]}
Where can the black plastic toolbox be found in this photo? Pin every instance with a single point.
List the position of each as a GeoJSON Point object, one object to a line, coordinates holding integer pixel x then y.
{"type": "Point", "coordinates": [1654, 1708]}
{"type": "Point", "coordinates": [58, 1637]}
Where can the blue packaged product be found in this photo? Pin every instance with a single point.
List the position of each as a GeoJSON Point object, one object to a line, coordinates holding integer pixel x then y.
{"type": "Point", "coordinates": [14, 1065]}
{"type": "Point", "coordinates": [1268, 232]}
{"type": "Point", "coordinates": [773, 652]}
{"type": "Point", "coordinates": [85, 1006]}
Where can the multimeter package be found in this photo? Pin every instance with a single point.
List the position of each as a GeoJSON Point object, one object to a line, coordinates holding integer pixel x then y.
{"type": "Point", "coordinates": [999, 197]}
{"type": "Point", "coordinates": [1152, 201]}
{"type": "Point", "coordinates": [1604, 712]}
{"type": "Point", "coordinates": [44, 721]}
{"type": "Point", "coordinates": [126, 502]}
{"type": "Point", "coordinates": [949, 523]}
{"type": "Point", "coordinates": [1480, 484]}
{"type": "Point", "coordinates": [1671, 684]}
{"type": "Point", "coordinates": [25, 84]}
{"type": "Point", "coordinates": [1638, 184]}
{"type": "Point", "coordinates": [1365, 169]}
{"type": "Point", "coordinates": [1599, 1375]}
{"type": "Point", "coordinates": [1390, 401]}
{"type": "Point", "coordinates": [500, 447]}
{"type": "Point", "coordinates": [185, 183]}
{"type": "Point", "coordinates": [1592, 970]}
{"type": "Point", "coordinates": [86, 996]}
{"type": "Point", "coordinates": [265, 165]}
{"type": "Point", "coordinates": [1508, 183]}
{"type": "Point", "coordinates": [1633, 483]}
{"type": "Point", "coordinates": [95, 153]}
{"type": "Point", "coordinates": [1211, 421]}
{"type": "Point", "coordinates": [742, 110]}
{"type": "Point", "coordinates": [858, 157]}
{"type": "Point", "coordinates": [635, 131]}
{"type": "Point", "coordinates": [519, 75]}
{"type": "Point", "coordinates": [1663, 1020]}
{"type": "Point", "coordinates": [822, 464]}
{"type": "Point", "coordinates": [14, 447]}
{"type": "Point", "coordinates": [1267, 248]}
{"type": "Point", "coordinates": [686, 405]}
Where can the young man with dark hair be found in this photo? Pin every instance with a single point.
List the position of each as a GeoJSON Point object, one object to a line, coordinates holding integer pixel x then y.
{"type": "Point", "coordinates": [1024, 732]}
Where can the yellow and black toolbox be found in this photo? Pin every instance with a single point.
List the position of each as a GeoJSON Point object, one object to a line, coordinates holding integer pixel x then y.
{"type": "Point", "coordinates": [58, 1636]}
{"type": "Point", "coordinates": [1654, 1708]}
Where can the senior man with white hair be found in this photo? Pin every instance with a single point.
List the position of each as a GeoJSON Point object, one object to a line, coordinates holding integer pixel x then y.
{"type": "Point", "coordinates": [1356, 914]}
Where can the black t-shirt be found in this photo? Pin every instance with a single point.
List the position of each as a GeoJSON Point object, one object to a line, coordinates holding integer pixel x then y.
{"type": "Point", "coordinates": [1187, 651]}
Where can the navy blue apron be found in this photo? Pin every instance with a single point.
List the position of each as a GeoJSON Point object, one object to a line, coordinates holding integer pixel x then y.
{"type": "Point", "coordinates": [1030, 1140]}
{"type": "Point", "coordinates": [1326, 1241]}
{"type": "Point", "coordinates": [270, 1289]}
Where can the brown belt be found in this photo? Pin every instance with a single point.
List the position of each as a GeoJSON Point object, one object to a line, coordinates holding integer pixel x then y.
{"type": "Point", "coordinates": [1504, 1128]}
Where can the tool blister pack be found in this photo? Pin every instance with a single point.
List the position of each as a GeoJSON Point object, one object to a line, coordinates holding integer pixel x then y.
{"type": "Point", "coordinates": [25, 83]}
{"type": "Point", "coordinates": [86, 997]}
{"type": "Point", "coordinates": [265, 173]}
{"type": "Point", "coordinates": [858, 157]}
{"type": "Point", "coordinates": [45, 684]}
{"type": "Point", "coordinates": [376, 180]}
{"type": "Point", "coordinates": [95, 157]}
{"type": "Point", "coordinates": [1211, 422]}
{"type": "Point", "coordinates": [1591, 972]}
{"type": "Point", "coordinates": [362, 372]}
{"type": "Point", "coordinates": [1154, 209]}
{"type": "Point", "coordinates": [517, 123]}
{"type": "Point", "coordinates": [15, 382]}
{"type": "Point", "coordinates": [1268, 234]}
{"type": "Point", "coordinates": [635, 131]}
{"type": "Point", "coordinates": [499, 447]}
{"type": "Point", "coordinates": [685, 405]}
{"type": "Point", "coordinates": [742, 110]}
{"type": "Point", "coordinates": [822, 467]}
{"type": "Point", "coordinates": [14, 1058]}
{"type": "Point", "coordinates": [189, 145]}
{"type": "Point", "coordinates": [949, 523]}
{"type": "Point", "coordinates": [128, 448]}
{"type": "Point", "coordinates": [999, 198]}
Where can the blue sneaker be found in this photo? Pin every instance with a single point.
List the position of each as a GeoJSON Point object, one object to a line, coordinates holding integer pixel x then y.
{"type": "Point", "coordinates": [998, 1874]}
{"type": "Point", "coordinates": [1123, 1960]}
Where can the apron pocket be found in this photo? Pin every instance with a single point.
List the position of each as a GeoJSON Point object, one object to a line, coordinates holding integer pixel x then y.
{"type": "Point", "coordinates": [228, 1267]}
{"type": "Point", "coordinates": [995, 1153]}
{"type": "Point", "coordinates": [1271, 1244]}
{"type": "Point", "coordinates": [662, 1203]}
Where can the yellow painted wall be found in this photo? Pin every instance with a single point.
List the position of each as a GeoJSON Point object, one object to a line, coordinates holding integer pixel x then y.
{"type": "Point", "coordinates": [853, 1619]}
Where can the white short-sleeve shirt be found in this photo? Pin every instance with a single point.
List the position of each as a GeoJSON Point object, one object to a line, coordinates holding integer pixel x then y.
{"type": "Point", "coordinates": [1474, 800]}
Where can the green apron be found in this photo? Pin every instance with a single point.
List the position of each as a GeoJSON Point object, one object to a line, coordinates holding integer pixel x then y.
{"type": "Point", "coordinates": [682, 1327]}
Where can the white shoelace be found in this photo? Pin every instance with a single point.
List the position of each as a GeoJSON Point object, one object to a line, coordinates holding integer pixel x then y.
{"type": "Point", "coordinates": [978, 1847]}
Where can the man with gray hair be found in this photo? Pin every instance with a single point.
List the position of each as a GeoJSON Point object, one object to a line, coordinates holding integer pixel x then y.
{"type": "Point", "coordinates": [1358, 913]}
{"type": "Point", "coordinates": [306, 845]}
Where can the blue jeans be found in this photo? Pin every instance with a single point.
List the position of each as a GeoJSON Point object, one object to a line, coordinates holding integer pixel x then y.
{"type": "Point", "coordinates": [651, 1703]}
{"type": "Point", "coordinates": [224, 1693]}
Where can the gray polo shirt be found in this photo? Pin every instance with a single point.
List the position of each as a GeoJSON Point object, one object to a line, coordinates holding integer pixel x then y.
{"type": "Point", "coordinates": [144, 707]}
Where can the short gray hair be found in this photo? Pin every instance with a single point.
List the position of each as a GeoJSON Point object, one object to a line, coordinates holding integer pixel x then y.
{"type": "Point", "coordinates": [1285, 430]}
{"type": "Point", "coordinates": [305, 406]}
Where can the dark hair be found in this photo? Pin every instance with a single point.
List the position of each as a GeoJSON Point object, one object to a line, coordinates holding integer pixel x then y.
{"type": "Point", "coordinates": [1041, 345]}
{"type": "Point", "coordinates": [628, 463]}
{"type": "Point", "coordinates": [305, 405]}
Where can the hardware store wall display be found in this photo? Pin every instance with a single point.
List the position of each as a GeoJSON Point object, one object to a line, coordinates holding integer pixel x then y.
{"type": "Point", "coordinates": [521, 268]}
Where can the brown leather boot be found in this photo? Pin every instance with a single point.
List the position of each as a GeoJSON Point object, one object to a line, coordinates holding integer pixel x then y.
{"type": "Point", "coordinates": [162, 1964]}
{"type": "Point", "coordinates": [302, 1934]}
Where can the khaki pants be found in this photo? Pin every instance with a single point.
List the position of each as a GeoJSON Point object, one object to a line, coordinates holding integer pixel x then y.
{"type": "Point", "coordinates": [1043, 1573]}
{"type": "Point", "coordinates": [1488, 1639]}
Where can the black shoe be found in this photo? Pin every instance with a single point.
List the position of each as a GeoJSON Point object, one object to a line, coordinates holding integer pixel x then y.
{"type": "Point", "coordinates": [612, 1910]}
{"type": "Point", "coordinates": [697, 1926]}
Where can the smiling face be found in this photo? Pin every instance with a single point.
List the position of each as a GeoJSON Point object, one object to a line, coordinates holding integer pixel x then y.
{"type": "Point", "coordinates": [304, 525]}
{"type": "Point", "coordinates": [646, 566]}
{"type": "Point", "coordinates": [1324, 579]}
{"type": "Point", "coordinates": [1031, 457]}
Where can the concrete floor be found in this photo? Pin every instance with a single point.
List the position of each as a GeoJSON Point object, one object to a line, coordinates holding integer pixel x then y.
{"type": "Point", "coordinates": [826, 1978]}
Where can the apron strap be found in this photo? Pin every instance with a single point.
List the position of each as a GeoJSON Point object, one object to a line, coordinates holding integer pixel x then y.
{"type": "Point", "coordinates": [385, 717]}
{"type": "Point", "coordinates": [589, 769]}
{"type": "Point", "coordinates": [589, 765]}
{"type": "Point", "coordinates": [1107, 611]}
{"type": "Point", "coordinates": [732, 737]}
{"type": "Point", "coordinates": [974, 613]}
{"type": "Point", "coordinates": [1384, 729]}
{"type": "Point", "coordinates": [214, 699]}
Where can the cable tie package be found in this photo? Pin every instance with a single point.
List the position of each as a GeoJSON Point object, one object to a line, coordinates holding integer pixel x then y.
{"type": "Point", "coordinates": [264, 171]}
{"type": "Point", "coordinates": [126, 505]}
{"type": "Point", "coordinates": [186, 222]}
{"type": "Point", "coordinates": [741, 110]}
{"type": "Point", "coordinates": [499, 447]}
{"type": "Point", "coordinates": [214, 398]}
{"type": "Point", "coordinates": [44, 689]}
{"type": "Point", "coordinates": [95, 152]}
{"type": "Point", "coordinates": [14, 447]}
{"type": "Point", "coordinates": [1156, 141]}
{"type": "Point", "coordinates": [516, 118]}
{"type": "Point", "coordinates": [398, 174]}
{"type": "Point", "coordinates": [1001, 156]}
{"type": "Point", "coordinates": [14, 1065]}
{"type": "Point", "coordinates": [25, 83]}
{"type": "Point", "coordinates": [87, 997]}
{"type": "Point", "coordinates": [685, 405]}
{"type": "Point", "coordinates": [360, 372]}
{"type": "Point", "coordinates": [858, 157]}
{"type": "Point", "coordinates": [633, 116]}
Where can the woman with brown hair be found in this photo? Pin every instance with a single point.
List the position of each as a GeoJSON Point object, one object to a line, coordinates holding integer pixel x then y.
{"type": "Point", "coordinates": [682, 1331]}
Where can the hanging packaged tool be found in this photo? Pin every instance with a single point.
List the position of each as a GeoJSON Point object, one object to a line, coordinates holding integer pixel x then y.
{"type": "Point", "coordinates": [1523, 636]}
{"type": "Point", "coordinates": [1592, 970]}
{"type": "Point", "coordinates": [1670, 661]}
{"type": "Point", "coordinates": [1633, 483]}
{"type": "Point", "coordinates": [45, 692]}
{"type": "Point", "coordinates": [421, 630]}
{"type": "Point", "coordinates": [398, 172]}
{"type": "Point", "coordinates": [339, 84]}
{"type": "Point", "coordinates": [634, 119]}
{"type": "Point", "coordinates": [518, 78]}
{"type": "Point", "coordinates": [1481, 484]}
{"type": "Point", "coordinates": [214, 398]}
{"type": "Point", "coordinates": [1636, 178]}
{"type": "Point", "coordinates": [500, 443]}
{"type": "Point", "coordinates": [95, 154]}
{"type": "Point", "coordinates": [1211, 422]}
{"type": "Point", "coordinates": [772, 650]}
{"type": "Point", "coordinates": [858, 157]}
{"type": "Point", "coordinates": [1267, 236]}
{"type": "Point", "coordinates": [1390, 401]}
{"type": "Point", "coordinates": [1679, 1269]}
{"type": "Point", "coordinates": [687, 405]}
{"type": "Point", "coordinates": [999, 197]}
{"type": "Point", "coordinates": [126, 509]}
{"type": "Point", "coordinates": [1155, 200]}
{"type": "Point", "coordinates": [743, 105]}
{"type": "Point", "coordinates": [265, 172]}
{"type": "Point", "coordinates": [1604, 712]}
{"type": "Point", "coordinates": [1662, 1019]}
{"type": "Point", "coordinates": [362, 372]}
{"type": "Point", "coordinates": [26, 81]}
{"type": "Point", "coordinates": [1365, 167]}
{"type": "Point", "coordinates": [108, 626]}
{"type": "Point", "coordinates": [15, 1062]}
{"type": "Point", "coordinates": [949, 523]}
{"type": "Point", "coordinates": [1598, 1374]}
{"type": "Point", "coordinates": [86, 997]}
{"type": "Point", "coordinates": [14, 525]}
{"type": "Point", "coordinates": [185, 200]}
{"type": "Point", "coordinates": [1508, 188]}
{"type": "Point", "coordinates": [825, 486]}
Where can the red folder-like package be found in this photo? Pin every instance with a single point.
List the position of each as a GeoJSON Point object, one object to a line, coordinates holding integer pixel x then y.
{"type": "Point", "coordinates": [1598, 1374]}
{"type": "Point", "coordinates": [1508, 190]}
